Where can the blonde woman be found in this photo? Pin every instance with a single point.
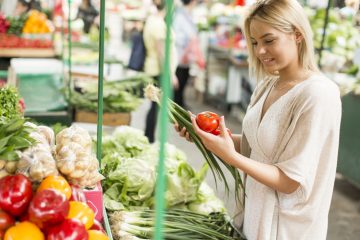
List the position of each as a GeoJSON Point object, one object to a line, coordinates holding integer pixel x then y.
{"type": "Point", "coordinates": [289, 145]}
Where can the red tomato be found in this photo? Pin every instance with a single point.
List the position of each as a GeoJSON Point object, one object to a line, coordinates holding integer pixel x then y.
{"type": "Point", "coordinates": [217, 131]}
{"type": "Point", "coordinates": [207, 121]}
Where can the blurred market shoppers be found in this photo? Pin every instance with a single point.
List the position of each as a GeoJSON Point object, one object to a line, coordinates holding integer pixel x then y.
{"type": "Point", "coordinates": [187, 46]}
{"type": "Point", "coordinates": [87, 12]}
{"type": "Point", "coordinates": [289, 145]}
{"type": "Point", "coordinates": [154, 38]}
{"type": "Point", "coordinates": [350, 9]}
{"type": "Point", "coordinates": [15, 8]}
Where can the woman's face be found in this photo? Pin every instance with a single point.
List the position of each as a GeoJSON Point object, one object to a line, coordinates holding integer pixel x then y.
{"type": "Point", "coordinates": [275, 49]}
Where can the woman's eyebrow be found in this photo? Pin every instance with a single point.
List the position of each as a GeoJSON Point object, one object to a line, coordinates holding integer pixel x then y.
{"type": "Point", "coordinates": [263, 36]}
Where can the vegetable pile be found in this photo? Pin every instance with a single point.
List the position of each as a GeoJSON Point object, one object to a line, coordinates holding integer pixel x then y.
{"type": "Point", "coordinates": [48, 212]}
{"type": "Point", "coordinates": [129, 166]}
{"type": "Point", "coordinates": [181, 116]}
{"type": "Point", "coordinates": [119, 96]}
{"type": "Point", "coordinates": [10, 103]}
{"type": "Point", "coordinates": [178, 224]}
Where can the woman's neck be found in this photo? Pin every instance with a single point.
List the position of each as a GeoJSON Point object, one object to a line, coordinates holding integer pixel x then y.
{"type": "Point", "coordinates": [293, 74]}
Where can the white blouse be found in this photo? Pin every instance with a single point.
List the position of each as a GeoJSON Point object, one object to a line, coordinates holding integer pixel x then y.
{"type": "Point", "coordinates": [299, 133]}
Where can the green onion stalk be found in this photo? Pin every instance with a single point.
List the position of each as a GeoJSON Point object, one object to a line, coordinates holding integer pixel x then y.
{"type": "Point", "coordinates": [180, 116]}
{"type": "Point", "coordinates": [178, 225]}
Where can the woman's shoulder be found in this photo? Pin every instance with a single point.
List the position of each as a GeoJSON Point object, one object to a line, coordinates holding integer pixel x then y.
{"type": "Point", "coordinates": [320, 85]}
{"type": "Point", "coordinates": [319, 89]}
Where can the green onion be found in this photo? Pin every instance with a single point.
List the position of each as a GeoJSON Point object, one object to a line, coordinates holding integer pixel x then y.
{"type": "Point", "coordinates": [181, 117]}
{"type": "Point", "coordinates": [178, 225]}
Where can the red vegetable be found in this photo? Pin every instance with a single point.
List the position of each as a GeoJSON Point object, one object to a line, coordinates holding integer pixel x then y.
{"type": "Point", "coordinates": [15, 194]}
{"type": "Point", "coordinates": [70, 229]}
{"type": "Point", "coordinates": [49, 207]}
{"type": "Point", "coordinates": [217, 131]}
{"type": "Point", "coordinates": [207, 121]}
{"type": "Point", "coordinates": [97, 226]}
{"type": "Point", "coordinates": [6, 221]}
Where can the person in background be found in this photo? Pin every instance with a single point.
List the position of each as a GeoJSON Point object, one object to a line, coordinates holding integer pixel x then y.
{"type": "Point", "coordinates": [22, 7]}
{"type": "Point", "coordinates": [186, 33]}
{"type": "Point", "coordinates": [154, 35]}
{"type": "Point", "coordinates": [289, 145]}
{"type": "Point", "coordinates": [350, 9]}
{"type": "Point", "coordinates": [87, 12]}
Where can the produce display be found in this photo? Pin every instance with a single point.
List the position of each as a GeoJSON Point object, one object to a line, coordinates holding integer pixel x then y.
{"type": "Point", "coordinates": [16, 25]}
{"type": "Point", "coordinates": [11, 104]}
{"type": "Point", "coordinates": [118, 96]}
{"type": "Point", "coordinates": [32, 30]}
{"type": "Point", "coordinates": [74, 157]}
{"type": "Point", "coordinates": [14, 41]}
{"type": "Point", "coordinates": [129, 165]}
{"type": "Point", "coordinates": [181, 116]}
{"type": "Point", "coordinates": [178, 224]}
{"type": "Point", "coordinates": [36, 23]}
{"type": "Point", "coordinates": [43, 213]}
{"type": "Point", "coordinates": [341, 40]}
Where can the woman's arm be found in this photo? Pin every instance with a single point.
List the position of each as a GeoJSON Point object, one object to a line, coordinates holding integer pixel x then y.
{"type": "Point", "coordinates": [237, 141]}
{"type": "Point", "coordinates": [223, 146]}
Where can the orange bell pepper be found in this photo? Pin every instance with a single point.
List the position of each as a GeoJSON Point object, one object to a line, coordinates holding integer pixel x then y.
{"type": "Point", "coordinates": [58, 183]}
{"type": "Point", "coordinates": [82, 212]}
{"type": "Point", "coordinates": [24, 231]}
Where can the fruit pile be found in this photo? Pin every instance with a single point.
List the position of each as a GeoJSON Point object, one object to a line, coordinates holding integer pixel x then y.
{"type": "Point", "coordinates": [13, 41]}
{"type": "Point", "coordinates": [4, 24]}
{"type": "Point", "coordinates": [54, 211]}
{"type": "Point", "coordinates": [37, 23]}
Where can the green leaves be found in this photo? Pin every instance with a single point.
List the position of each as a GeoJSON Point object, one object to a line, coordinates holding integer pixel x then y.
{"type": "Point", "coordinates": [14, 136]}
{"type": "Point", "coordinates": [9, 102]}
{"type": "Point", "coordinates": [119, 96]}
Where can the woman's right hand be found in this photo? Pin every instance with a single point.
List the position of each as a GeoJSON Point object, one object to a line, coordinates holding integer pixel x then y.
{"type": "Point", "coordinates": [182, 132]}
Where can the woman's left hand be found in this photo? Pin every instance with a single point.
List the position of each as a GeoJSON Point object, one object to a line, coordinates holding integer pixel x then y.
{"type": "Point", "coordinates": [221, 145]}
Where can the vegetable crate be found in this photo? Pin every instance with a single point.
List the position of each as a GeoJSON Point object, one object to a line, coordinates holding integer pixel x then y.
{"type": "Point", "coordinates": [109, 119]}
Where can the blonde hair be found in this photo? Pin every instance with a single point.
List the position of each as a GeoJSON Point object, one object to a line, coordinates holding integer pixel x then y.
{"type": "Point", "coordinates": [286, 16]}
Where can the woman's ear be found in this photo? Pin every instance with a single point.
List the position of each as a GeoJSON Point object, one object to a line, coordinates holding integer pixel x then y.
{"type": "Point", "coordinates": [298, 36]}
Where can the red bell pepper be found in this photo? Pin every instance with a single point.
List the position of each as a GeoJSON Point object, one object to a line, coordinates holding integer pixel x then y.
{"type": "Point", "coordinates": [6, 221]}
{"type": "Point", "coordinates": [97, 226]}
{"type": "Point", "coordinates": [70, 229]}
{"type": "Point", "coordinates": [15, 194]}
{"type": "Point", "coordinates": [49, 207]}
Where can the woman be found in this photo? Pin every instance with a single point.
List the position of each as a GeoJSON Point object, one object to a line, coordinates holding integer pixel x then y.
{"type": "Point", "coordinates": [289, 145]}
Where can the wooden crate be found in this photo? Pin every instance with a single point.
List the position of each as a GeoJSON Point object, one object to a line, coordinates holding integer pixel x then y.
{"type": "Point", "coordinates": [109, 119]}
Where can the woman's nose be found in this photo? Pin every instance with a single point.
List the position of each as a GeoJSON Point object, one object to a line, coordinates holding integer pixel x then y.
{"type": "Point", "coordinates": [261, 50]}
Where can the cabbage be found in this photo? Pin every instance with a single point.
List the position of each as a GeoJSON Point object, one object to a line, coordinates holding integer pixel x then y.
{"type": "Point", "coordinates": [206, 202]}
{"type": "Point", "coordinates": [183, 185]}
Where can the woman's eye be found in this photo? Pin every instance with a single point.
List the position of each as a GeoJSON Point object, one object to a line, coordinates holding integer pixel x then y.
{"type": "Point", "coordinates": [254, 43]}
{"type": "Point", "coordinates": [269, 41]}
